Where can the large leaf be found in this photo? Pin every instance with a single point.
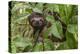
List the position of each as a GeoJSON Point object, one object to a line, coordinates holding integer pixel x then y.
{"type": "Point", "coordinates": [71, 41]}
{"type": "Point", "coordinates": [56, 28]}
{"type": "Point", "coordinates": [72, 28]}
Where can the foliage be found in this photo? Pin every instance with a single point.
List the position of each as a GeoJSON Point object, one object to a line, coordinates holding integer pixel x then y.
{"type": "Point", "coordinates": [19, 24]}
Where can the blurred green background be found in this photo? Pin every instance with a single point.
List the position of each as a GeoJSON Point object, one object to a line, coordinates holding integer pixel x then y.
{"type": "Point", "coordinates": [19, 24]}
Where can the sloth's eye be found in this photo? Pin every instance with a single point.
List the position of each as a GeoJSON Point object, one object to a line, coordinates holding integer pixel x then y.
{"type": "Point", "coordinates": [41, 20]}
{"type": "Point", "coordinates": [32, 20]}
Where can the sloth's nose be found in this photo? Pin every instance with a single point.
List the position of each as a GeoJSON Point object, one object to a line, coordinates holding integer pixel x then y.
{"type": "Point", "coordinates": [37, 22]}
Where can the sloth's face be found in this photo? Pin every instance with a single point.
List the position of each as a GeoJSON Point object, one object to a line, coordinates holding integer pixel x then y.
{"type": "Point", "coordinates": [37, 21]}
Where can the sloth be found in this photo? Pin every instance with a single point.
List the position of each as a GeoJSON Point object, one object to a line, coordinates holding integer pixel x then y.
{"type": "Point", "coordinates": [39, 23]}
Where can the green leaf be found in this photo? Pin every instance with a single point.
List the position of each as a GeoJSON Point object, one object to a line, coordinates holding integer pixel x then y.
{"type": "Point", "coordinates": [74, 19]}
{"type": "Point", "coordinates": [38, 47]}
{"type": "Point", "coordinates": [56, 30]}
{"type": "Point", "coordinates": [37, 10]}
{"type": "Point", "coordinates": [72, 28]}
{"type": "Point", "coordinates": [48, 45]}
{"type": "Point", "coordinates": [71, 41]}
{"type": "Point", "coordinates": [63, 46]}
